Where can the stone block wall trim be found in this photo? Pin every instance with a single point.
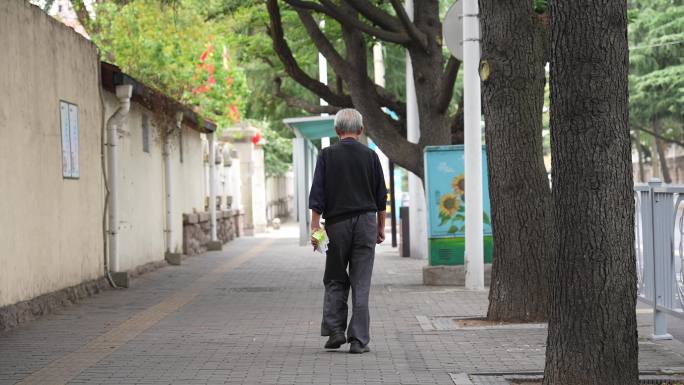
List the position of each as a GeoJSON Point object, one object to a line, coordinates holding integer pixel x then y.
{"type": "Point", "coordinates": [14, 315]}
{"type": "Point", "coordinates": [21, 312]}
{"type": "Point", "coordinates": [191, 218]}
{"type": "Point", "coordinates": [197, 236]}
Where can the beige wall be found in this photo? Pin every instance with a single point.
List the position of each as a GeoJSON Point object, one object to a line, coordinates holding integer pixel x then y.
{"type": "Point", "coordinates": [280, 189]}
{"type": "Point", "coordinates": [253, 185]}
{"type": "Point", "coordinates": [50, 227]}
{"type": "Point", "coordinates": [188, 181]}
{"type": "Point", "coordinates": [141, 194]}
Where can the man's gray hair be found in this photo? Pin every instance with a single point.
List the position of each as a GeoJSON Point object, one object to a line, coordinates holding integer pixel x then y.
{"type": "Point", "coordinates": [348, 120]}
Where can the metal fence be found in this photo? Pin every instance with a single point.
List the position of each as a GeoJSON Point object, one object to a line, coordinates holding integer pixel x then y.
{"type": "Point", "coordinates": [659, 244]}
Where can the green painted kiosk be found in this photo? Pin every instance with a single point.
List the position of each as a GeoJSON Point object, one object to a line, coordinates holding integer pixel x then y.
{"type": "Point", "coordinates": [445, 188]}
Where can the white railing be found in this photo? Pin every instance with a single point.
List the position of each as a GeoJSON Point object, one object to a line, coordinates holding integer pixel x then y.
{"type": "Point", "coordinates": [659, 245]}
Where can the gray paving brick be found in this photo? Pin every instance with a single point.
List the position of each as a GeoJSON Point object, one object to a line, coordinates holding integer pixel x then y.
{"type": "Point", "coordinates": [258, 323]}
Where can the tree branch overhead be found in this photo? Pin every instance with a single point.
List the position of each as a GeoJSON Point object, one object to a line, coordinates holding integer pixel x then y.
{"type": "Point", "coordinates": [329, 8]}
{"type": "Point", "coordinates": [292, 68]}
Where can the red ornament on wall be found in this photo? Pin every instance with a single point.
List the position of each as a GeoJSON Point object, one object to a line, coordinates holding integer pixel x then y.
{"type": "Point", "coordinates": [256, 139]}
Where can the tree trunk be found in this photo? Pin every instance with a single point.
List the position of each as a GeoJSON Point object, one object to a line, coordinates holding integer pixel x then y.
{"type": "Point", "coordinates": [662, 158]}
{"type": "Point", "coordinates": [640, 155]}
{"type": "Point", "coordinates": [514, 42]}
{"type": "Point", "coordinates": [655, 164]}
{"type": "Point", "coordinates": [592, 326]}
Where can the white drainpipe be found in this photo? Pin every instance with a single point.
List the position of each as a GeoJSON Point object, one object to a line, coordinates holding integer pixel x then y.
{"type": "Point", "coordinates": [123, 93]}
{"type": "Point", "coordinates": [212, 186]}
{"type": "Point", "coordinates": [168, 181]}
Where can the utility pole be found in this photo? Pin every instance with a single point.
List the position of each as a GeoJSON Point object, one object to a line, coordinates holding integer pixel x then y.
{"type": "Point", "coordinates": [323, 78]}
{"type": "Point", "coordinates": [474, 249]}
{"type": "Point", "coordinates": [387, 167]}
{"type": "Point", "coordinates": [417, 213]}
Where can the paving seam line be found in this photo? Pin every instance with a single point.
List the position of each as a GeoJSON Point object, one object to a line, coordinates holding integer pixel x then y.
{"type": "Point", "coordinates": [68, 367]}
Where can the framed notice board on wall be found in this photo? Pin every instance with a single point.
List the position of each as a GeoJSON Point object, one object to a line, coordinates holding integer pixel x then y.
{"type": "Point", "coordinates": [69, 130]}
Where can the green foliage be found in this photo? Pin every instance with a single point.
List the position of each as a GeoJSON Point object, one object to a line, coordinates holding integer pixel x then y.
{"type": "Point", "coordinates": [169, 46]}
{"type": "Point", "coordinates": [246, 31]}
{"type": "Point", "coordinates": [213, 54]}
{"type": "Point", "coordinates": [277, 152]}
{"type": "Point", "coordinates": [162, 42]}
{"type": "Point", "coordinates": [656, 36]}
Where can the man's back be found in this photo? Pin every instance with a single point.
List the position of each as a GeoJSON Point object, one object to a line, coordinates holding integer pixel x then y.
{"type": "Point", "coordinates": [352, 181]}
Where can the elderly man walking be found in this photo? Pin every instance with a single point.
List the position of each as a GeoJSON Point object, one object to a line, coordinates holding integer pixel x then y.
{"type": "Point", "coordinates": [349, 192]}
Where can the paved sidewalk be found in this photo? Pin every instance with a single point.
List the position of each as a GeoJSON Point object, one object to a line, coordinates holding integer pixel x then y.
{"type": "Point", "coordinates": [251, 315]}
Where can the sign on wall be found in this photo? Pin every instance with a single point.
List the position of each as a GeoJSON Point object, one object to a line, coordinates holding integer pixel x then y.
{"type": "Point", "coordinates": [69, 129]}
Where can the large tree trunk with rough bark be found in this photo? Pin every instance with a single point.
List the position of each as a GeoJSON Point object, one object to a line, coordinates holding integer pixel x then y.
{"type": "Point", "coordinates": [592, 327]}
{"type": "Point", "coordinates": [660, 149]}
{"type": "Point", "coordinates": [514, 47]}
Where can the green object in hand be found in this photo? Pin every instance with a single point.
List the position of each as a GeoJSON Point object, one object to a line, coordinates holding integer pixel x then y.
{"type": "Point", "coordinates": [321, 240]}
{"type": "Point", "coordinates": [319, 235]}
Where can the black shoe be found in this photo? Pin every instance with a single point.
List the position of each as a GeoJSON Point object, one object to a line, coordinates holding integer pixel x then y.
{"type": "Point", "coordinates": [355, 347]}
{"type": "Point", "coordinates": [335, 341]}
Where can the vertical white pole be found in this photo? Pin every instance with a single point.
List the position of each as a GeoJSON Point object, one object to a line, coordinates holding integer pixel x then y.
{"type": "Point", "coordinates": [300, 172]}
{"type": "Point", "coordinates": [417, 213]}
{"type": "Point", "coordinates": [212, 185]}
{"type": "Point", "coordinates": [323, 78]}
{"type": "Point", "coordinates": [474, 249]}
{"type": "Point", "coordinates": [379, 78]}
{"type": "Point", "coordinates": [378, 65]}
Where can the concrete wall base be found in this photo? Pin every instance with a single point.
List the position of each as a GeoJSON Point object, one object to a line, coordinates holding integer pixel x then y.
{"type": "Point", "coordinates": [121, 279]}
{"type": "Point", "coordinates": [18, 313]}
{"type": "Point", "coordinates": [173, 258]}
{"type": "Point", "coordinates": [214, 246]}
{"type": "Point", "coordinates": [450, 275]}
{"type": "Point", "coordinates": [25, 311]}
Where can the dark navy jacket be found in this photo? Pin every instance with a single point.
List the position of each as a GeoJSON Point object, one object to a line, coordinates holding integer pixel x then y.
{"type": "Point", "coordinates": [348, 181]}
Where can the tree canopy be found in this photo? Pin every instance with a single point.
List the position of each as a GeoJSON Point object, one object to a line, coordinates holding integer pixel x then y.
{"type": "Point", "coordinates": [212, 55]}
{"type": "Point", "coordinates": [656, 35]}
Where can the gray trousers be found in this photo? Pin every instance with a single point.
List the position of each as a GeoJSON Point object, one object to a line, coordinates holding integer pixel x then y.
{"type": "Point", "coordinates": [352, 243]}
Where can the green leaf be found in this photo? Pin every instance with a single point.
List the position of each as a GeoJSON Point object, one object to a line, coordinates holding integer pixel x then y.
{"type": "Point", "coordinates": [452, 230]}
{"type": "Point", "coordinates": [485, 218]}
{"type": "Point", "coordinates": [443, 221]}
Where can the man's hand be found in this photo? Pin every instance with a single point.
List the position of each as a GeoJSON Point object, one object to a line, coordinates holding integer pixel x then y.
{"type": "Point", "coordinates": [315, 225]}
{"type": "Point", "coordinates": [381, 226]}
{"type": "Point", "coordinates": [381, 235]}
{"type": "Point", "coordinates": [314, 228]}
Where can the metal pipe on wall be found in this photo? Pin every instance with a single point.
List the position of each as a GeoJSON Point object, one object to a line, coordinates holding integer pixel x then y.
{"type": "Point", "coordinates": [212, 185]}
{"type": "Point", "coordinates": [168, 181]}
{"type": "Point", "coordinates": [123, 93]}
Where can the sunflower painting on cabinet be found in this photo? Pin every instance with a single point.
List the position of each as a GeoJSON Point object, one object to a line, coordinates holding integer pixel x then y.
{"type": "Point", "coordinates": [445, 188]}
{"type": "Point", "coordinates": [452, 209]}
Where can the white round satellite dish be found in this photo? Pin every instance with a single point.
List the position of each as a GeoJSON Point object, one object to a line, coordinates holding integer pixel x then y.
{"type": "Point", "coordinates": [452, 29]}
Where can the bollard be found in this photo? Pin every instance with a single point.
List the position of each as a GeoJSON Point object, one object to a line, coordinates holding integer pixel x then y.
{"type": "Point", "coordinates": [405, 247]}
